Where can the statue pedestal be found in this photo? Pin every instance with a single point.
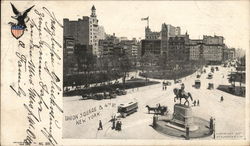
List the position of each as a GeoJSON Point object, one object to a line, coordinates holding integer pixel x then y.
{"type": "Point", "coordinates": [182, 118]}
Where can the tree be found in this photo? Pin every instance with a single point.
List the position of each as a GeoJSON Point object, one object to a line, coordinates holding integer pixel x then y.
{"type": "Point", "coordinates": [124, 66]}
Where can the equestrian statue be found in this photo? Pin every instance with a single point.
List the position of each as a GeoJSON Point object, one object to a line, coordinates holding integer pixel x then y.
{"type": "Point", "coordinates": [180, 93]}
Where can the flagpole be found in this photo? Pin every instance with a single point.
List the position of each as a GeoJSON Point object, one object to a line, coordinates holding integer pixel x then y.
{"type": "Point", "coordinates": [148, 21]}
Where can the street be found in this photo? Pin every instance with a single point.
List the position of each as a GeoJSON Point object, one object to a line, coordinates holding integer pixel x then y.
{"type": "Point", "coordinates": [80, 122]}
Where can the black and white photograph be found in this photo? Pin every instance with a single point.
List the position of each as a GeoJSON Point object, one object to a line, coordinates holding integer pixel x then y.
{"type": "Point", "coordinates": [154, 70]}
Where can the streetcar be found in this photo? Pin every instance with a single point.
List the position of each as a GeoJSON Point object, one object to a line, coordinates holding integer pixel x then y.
{"type": "Point", "coordinates": [210, 86]}
{"type": "Point", "coordinates": [210, 76]}
{"type": "Point", "coordinates": [127, 109]}
{"type": "Point", "coordinates": [197, 84]}
{"type": "Point", "coordinates": [212, 69]}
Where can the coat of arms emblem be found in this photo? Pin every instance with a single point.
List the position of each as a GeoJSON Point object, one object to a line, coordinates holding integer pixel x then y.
{"type": "Point", "coordinates": [17, 29]}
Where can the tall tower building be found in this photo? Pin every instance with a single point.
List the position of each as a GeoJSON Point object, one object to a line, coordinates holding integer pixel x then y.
{"type": "Point", "coordinates": [93, 31]}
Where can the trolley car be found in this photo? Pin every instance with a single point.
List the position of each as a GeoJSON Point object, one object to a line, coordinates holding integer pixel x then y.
{"type": "Point", "coordinates": [127, 109]}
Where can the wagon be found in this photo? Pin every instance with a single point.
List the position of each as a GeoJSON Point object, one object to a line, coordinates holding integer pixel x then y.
{"type": "Point", "coordinates": [210, 76]}
{"type": "Point", "coordinates": [212, 69]}
{"type": "Point", "coordinates": [210, 86]}
{"type": "Point", "coordinates": [177, 81]}
{"type": "Point", "coordinates": [120, 91]}
{"type": "Point", "coordinates": [197, 83]}
{"type": "Point", "coordinates": [86, 96]}
{"type": "Point", "coordinates": [98, 96]}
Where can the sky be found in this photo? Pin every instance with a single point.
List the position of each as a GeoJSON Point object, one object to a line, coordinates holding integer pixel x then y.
{"type": "Point", "coordinates": [225, 18]}
{"type": "Point", "coordinates": [230, 19]}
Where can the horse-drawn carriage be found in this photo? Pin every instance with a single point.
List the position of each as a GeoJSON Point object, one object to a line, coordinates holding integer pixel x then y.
{"type": "Point", "coordinates": [210, 76]}
{"type": "Point", "coordinates": [212, 69]}
{"type": "Point", "coordinates": [120, 91]}
{"type": "Point", "coordinates": [86, 96]}
{"type": "Point", "coordinates": [197, 84]}
{"type": "Point", "coordinates": [210, 86]}
{"type": "Point", "coordinates": [109, 95]}
{"type": "Point", "coordinates": [98, 96]}
{"type": "Point", "coordinates": [158, 110]}
{"type": "Point", "coordinates": [167, 83]}
{"type": "Point", "coordinates": [217, 68]}
{"type": "Point", "coordinates": [177, 81]}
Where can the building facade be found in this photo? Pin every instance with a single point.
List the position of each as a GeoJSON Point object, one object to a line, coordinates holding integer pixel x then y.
{"type": "Point", "coordinates": [196, 50]}
{"type": "Point", "coordinates": [228, 54]}
{"type": "Point", "coordinates": [150, 35]}
{"type": "Point", "coordinates": [107, 45]}
{"type": "Point", "coordinates": [85, 31]}
{"type": "Point", "coordinates": [166, 32]}
{"type": "Point", "coordinates": [151, 46]}
{"type": "Point", "coordinates": [79, 30]}
{"type": "Point", "coordinates": [69, 61]}
{"type": "Point", "coordinates": [213, 49]}
{"type": "Point", "coordinates": [179, 48]}
{"type": "Point", "coordinates": [94, 31]}
{"type": "Point", "coordinates": [212, 53]}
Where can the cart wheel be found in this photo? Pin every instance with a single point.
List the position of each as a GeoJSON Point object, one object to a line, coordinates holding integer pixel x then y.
{"type": "Point", "coordinates": [124, 115]}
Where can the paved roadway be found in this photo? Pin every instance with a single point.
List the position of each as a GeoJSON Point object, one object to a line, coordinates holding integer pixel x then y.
{"type": "Point", "coordinates": [229, 114]}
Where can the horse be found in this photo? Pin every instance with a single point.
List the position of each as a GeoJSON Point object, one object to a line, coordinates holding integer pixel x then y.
{"type": "Point", "coordinates": [182, 94]}
{"type": "Point", "coordinates": [151, 109]}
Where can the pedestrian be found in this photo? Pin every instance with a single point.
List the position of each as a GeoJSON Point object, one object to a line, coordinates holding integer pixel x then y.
{"type": "Point", "coordinates": [182, 86]}
{"type": "Point", "coordinates": [117, 125]}
{"type": "Point", "coordinates": [159, 107]}
{"type": "Point", "coordinates": [100, 125]}
{"type": "Point", "coordinates": [211, 124]}
{"type": "Point", "coordinates": [187, 133]}
{"type": "Point", "coordinates": [221, 98]}
{"type": "Point", "coordinates": [198, 103]}
{"type": "Point", "coordinates": [120, 128]}
{"type": "Point", "coordinates": [113, 122]}
{"type": "Point", "coordinates": [194, 102]}
{"type": "Point", "coordinates": [214, 127]}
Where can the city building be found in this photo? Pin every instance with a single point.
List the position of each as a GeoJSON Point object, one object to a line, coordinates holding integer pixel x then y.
{"type": "Point", "coordinates": [150, 35]}
{"type": "Point", "coordinates": [151, 46]}
{"type": "Point", "coordinates": [79, 30]}
{"type": "Point", "coordinates": [213, 49]}
{"type": "Point", "coordinates": [123, 38]}
{"type": "Point", "coordinates": [166, 32]}
{"type": "Point", "coordinates": [179, 48]}
{"type": "Point", "coordinates": [101, 33]}
{"type": "Point", "coordinates": [210, 49]}
{"type": "Point", "coordinates": [228, 54]}
{"type": "Point", "coordinates": [94, 31]}
{"type": "Point", "coordinates": [213, 40]}
{"type": "Point", "coordinates": [107, 45]}
{"type": "Point", "coordinates": [85, 31]}
{"type": "Point", "coordinates": [69, 61]}
{"type": "Point", "coordinates": [196, 50]}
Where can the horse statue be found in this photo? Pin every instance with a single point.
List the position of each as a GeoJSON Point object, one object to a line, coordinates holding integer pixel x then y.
{"type": "Point", "coordinates": [182, 94]}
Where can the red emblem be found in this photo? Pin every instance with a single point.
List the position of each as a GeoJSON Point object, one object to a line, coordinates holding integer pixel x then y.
{"type": "Point", "coordinates": [17, 31]}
